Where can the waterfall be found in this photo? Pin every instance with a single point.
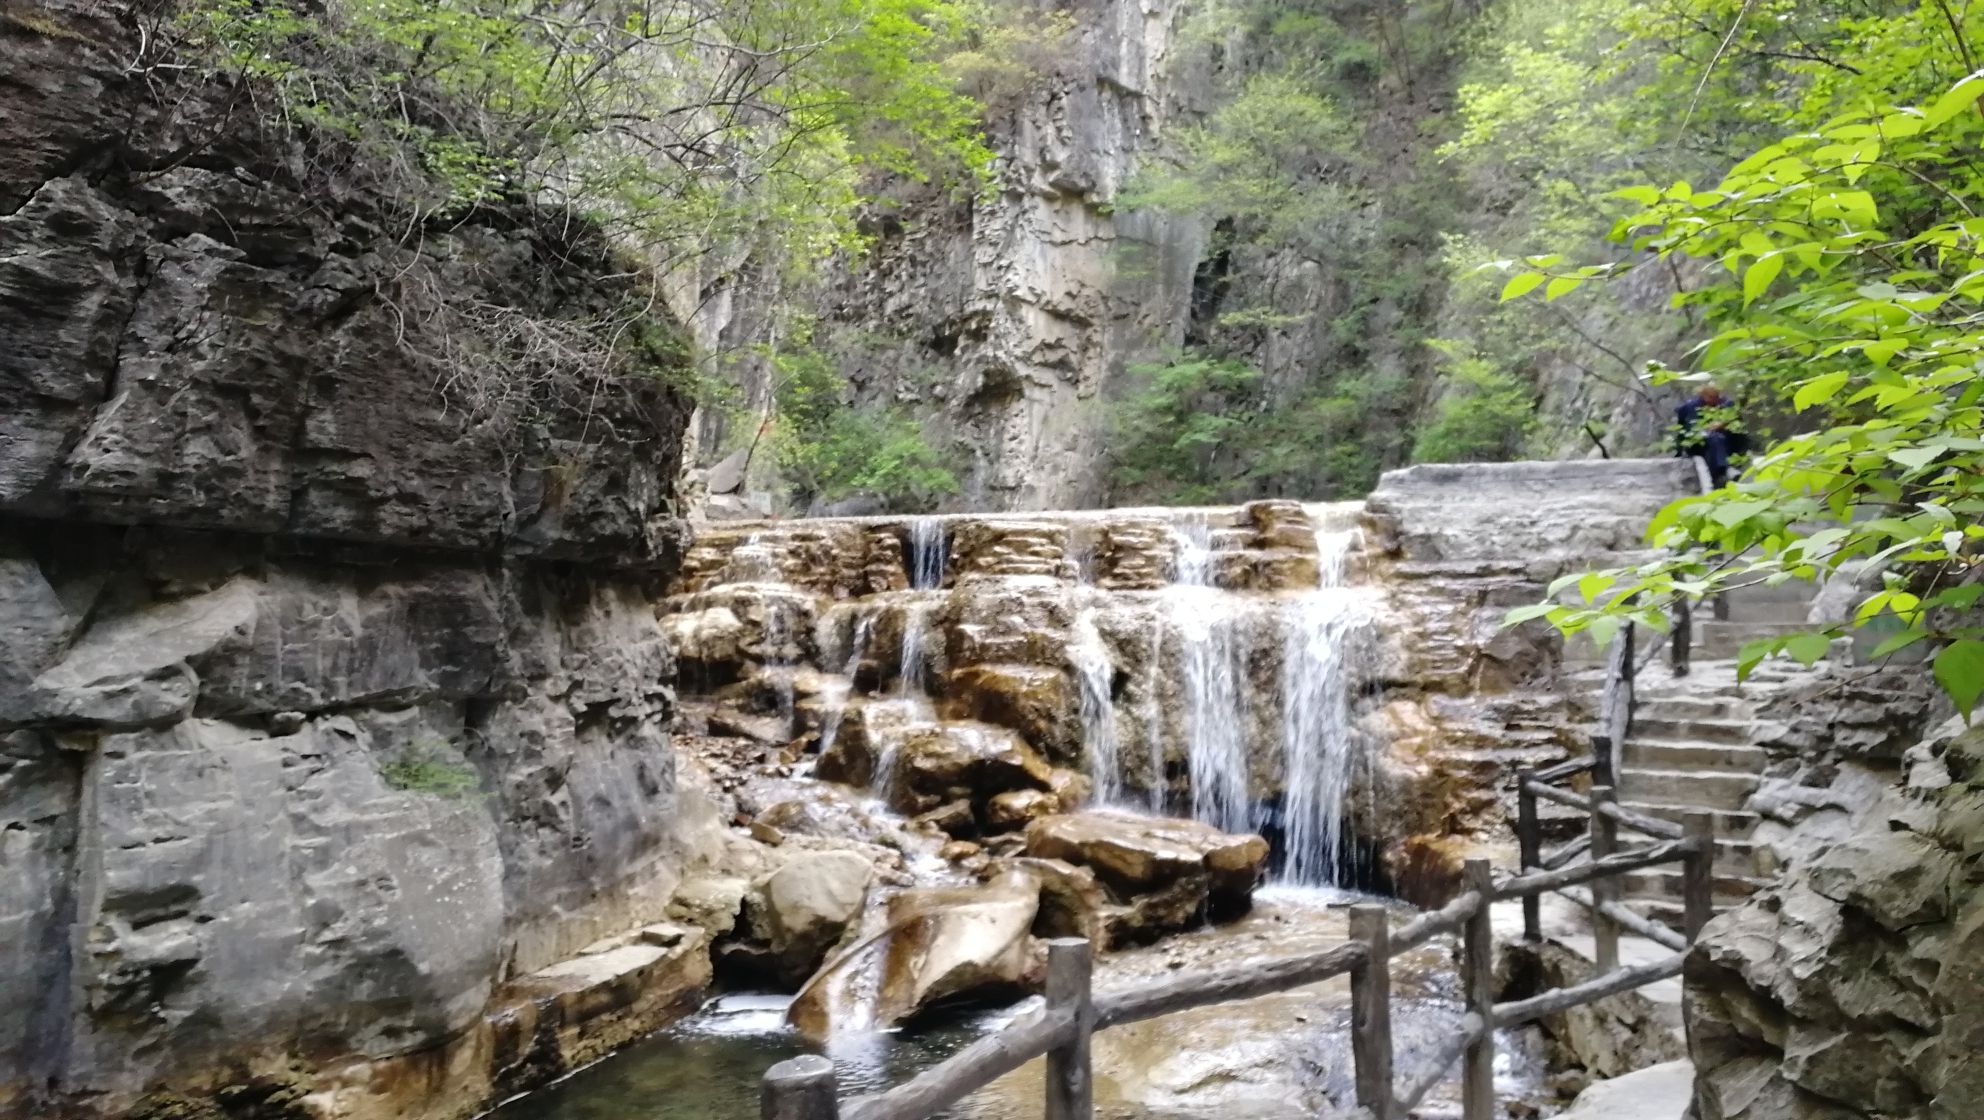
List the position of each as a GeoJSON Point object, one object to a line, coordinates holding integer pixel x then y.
{"type": "Point", "coordinates": [1216, 633]}
{"type": "Point", "coordinates": [1154, 718]}
{"type": "Point", "coordinates": [1094, 673]}
{"type": "Point", "coordinates": [864, 629]}
{"type": "Point", "coordinates": [1192, 563]}
{"type": "Point", "coordinates": [1321, 631]}
{"type": "Point", "coordinates": [1212, 660]}
{"type": "Point", "coordinates": [928, 554]}
{"type": "Point", "coordinates": [915, 629]}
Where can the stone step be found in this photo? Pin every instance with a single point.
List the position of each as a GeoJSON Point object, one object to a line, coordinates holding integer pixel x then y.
{"type": "Point", "coordinates": [1782, 612]}
{"type": "Point", "coordinates": [1671, 913]}
{"type": "Point", "coordinates": [1732, 731]}
{"type": "Point", "coordinates": [1725, 639]}
{"type": "Point", "coordinates": [1664, 884]}
{"type": "Point", "coordinates": [1690, 707]}
{"type": "Point", "coordinates": [1639, 755]}
{"type": "Point", "coordinates": [1730, 824]}
{"type": "Point", "coordinates": [1701, 789]}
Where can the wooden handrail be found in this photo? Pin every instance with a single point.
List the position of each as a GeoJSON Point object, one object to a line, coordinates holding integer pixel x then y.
{"type": "Point", "coordinates": [1433, 923]}
{"type": "Point", "coordinates": [1517, 886]}
{"type": "Point", "coordinates": [965, 1072]}
{"type": "Point", "coordinates": [1651, 930]}
{"type": "Point", "coordinates": [1466, 1034]}
{"type": "Point", "coordinates": [1181, 993]}
{"type": "Point", "coordinates": [1565, 854]}
{"type": "Point", "coordinates": [1640, 822]}
{"type": "Point", "coordinates": [1565, 769]}
{"type": "Point", "coordinates": [1563, 999]}
{"type": "Point", "coordinates": [1560, 796]}
{"type": "Point", "coordinates": [802, 1089]}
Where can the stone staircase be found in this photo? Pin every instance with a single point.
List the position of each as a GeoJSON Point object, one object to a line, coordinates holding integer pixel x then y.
{"type": "Point", "coordinates": [1690, 744]}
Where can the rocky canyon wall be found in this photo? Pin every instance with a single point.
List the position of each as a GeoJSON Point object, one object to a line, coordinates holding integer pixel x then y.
{"type": "Point", "coordinates": [1002, 319]}
{"type": "Point", "coordinates": [332, 711]}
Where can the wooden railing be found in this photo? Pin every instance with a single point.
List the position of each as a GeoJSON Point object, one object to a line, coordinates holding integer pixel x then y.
{"type": "Point", "coordinates": [804, 1089]}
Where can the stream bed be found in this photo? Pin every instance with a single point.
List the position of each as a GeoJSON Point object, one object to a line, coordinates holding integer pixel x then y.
{"type": "Point", "coordinates": [1278, 1057]}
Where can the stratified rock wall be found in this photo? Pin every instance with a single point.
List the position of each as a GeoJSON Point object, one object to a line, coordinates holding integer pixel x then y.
{"type": "Point", "coordinates": [329, 711]}
{"type": "Point", "coordinates": [1848, 991]}
{"type": "Point", "coordinates": [1468, 701]}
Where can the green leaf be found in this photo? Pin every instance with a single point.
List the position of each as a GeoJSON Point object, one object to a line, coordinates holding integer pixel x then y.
{"type": "Point", "coordinates": [1731, 514]}
{"type": "Point", "coordinates": [1594, 585]}
{"type": "Point", "coordinates": [1524, 614]}
{"type": "Point", "coordinates": [1882, 352]}
{"type": "Point", "coordinates": [1962, 97]}
{"type": "Point", "coordinates": [1960, 670]}
{"type": "Point", "coordinates": [1603, 630]}
{"type": "Point", "coordinates": [1915, 458]}
{"type": "Point", "coordinates": [1807, 648]}
{"type": "Point", "coordinates": [1758, 279]}
{"type": "Point", "coordinates": [1818, 391]}
{"type": "Point", "coordinates": [1562, 285]}
{"type": "Point", "coordinates": [1748, 657]}
{"type": "Point", "coordinates": [1521, 285]}
{"type": "Point", "coordinates": [1897, 643]}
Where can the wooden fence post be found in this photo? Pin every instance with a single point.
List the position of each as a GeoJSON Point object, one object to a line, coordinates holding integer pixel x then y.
{"type": "Point", "coordinates": [1371, 1010]}
{"type": "Point", "coordinates": [799, 1088]}
{"type": "Point", "coordinates": [1529, 835]}
{"type": "Point", "coordinates": [1070, 1084]}
{"type": "Point", "coordinates": [1601, 760]}
{"type": "Point", "coordinates": [1680, 647]}
{"type": "Point", "coordinates": [1698, 873]}
{"type": "Point", "coordinates": [1604, 842]}
{"type": "Point", "coordinates": [1477, 1072]}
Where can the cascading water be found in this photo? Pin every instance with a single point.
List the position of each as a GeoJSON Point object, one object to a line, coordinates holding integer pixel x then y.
{"type": "Point", "coordinates": [1321, 632]}
{"type": "Point", "coordinates": [1212, 660]}
{"type": "Point", "coordinates": [928, 554]}
{"type": "Point", "coordinates": [857, 645]}
{"type": "Point", "coordinates": [1094, 673]}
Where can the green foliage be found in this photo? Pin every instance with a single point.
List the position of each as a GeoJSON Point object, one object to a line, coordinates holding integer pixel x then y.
{"type": "Point", "coordinates": [431, 766]}
{"type": "Point", "coordinates": [829, 450]}
{"type": "Point", "coordinates": [1257, 160]}
{"type": "Point", "coordinates": [678, 125]}
{"type": "Point", "coordinates": [1847, 279]}
{"type": "Point", "coordinates": [1199, 429]}
{"type": "Point", "coordinates": [1485, 415]}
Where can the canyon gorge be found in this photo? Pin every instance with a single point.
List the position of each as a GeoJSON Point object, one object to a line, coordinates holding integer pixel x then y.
{"type": "Point", "coordinates": [371, 747]}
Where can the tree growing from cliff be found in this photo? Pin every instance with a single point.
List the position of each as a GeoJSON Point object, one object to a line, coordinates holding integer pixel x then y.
{"type": "Point", "coordinates": [680, 125]}
{"type": "Point", "coordinates": [1846, 279]}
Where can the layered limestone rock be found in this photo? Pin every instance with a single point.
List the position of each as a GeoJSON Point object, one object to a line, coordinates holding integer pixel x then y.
{"type": "Point", "coordinates": [1467, 701]}
{"type": "Point", "coordinates": [336, 714]}
{"type": "Point", "coordinates": [1847, 990]}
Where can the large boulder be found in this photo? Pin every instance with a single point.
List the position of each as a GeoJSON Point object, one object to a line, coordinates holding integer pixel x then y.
{"type": "Point", "coordinates": [1607, 1038]}
{"type": "Point", "coordinates": [795, 916]}
{"type": "Point", "coordinates": [1037, 701]}
{"type": "Point", "coordinates": [1168, 872]}
{"type": "Point", "coordinates": [953, 942]}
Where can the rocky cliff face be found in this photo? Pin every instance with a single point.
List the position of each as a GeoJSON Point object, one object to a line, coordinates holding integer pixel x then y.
{"type": "Point", "coordinates": [332, 712]}
{"type": "Point", "coordinates": [1003, 318]}
{"type": "Point", "coordinates": [1848, 990]}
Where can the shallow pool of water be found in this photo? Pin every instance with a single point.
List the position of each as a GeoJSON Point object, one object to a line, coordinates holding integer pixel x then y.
{"type": "Point", "coordinates": [707, 1067]}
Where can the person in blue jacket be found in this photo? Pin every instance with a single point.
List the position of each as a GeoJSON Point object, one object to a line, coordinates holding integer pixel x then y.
{"type": "Point", "coordinates": [1706, 427]}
